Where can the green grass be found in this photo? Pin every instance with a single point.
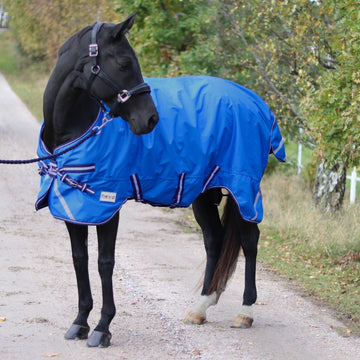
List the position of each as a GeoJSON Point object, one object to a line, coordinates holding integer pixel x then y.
{"type": "Point", "coordinates": [28, 79]}
{"type": "Point", "coordinates": [320, 251]}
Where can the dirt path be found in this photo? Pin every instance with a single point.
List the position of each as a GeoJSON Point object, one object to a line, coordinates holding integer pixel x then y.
{"type": "Point", "coordinates": [157, 269]}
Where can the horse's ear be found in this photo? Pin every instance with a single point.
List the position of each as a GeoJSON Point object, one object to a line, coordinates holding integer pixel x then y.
{"type": "Point", "coordinates": [122, 28]}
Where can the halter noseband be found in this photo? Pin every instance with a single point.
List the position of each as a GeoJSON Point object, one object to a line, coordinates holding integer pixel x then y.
{"type": "Point", "coordinates": [122, 94]}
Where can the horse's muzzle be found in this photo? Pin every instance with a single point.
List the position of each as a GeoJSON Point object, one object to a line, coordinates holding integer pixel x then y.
{"type": "Point", "coordinates": [145, 127]}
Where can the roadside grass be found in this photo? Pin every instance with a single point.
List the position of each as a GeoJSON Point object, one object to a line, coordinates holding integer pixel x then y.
{"type": "Point", "coordinates": [28, 79]}
{"type": "Point", "coordinates": [318, 251]}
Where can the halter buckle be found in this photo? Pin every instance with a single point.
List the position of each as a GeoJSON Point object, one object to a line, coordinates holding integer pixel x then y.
{"type": "Point", "coordinates": [123, 97]}
{"type": "Point", "coordinates": [93, 50]}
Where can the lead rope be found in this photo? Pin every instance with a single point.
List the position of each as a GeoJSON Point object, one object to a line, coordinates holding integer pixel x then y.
{"type": "Point", "coordinates": [94, 131]}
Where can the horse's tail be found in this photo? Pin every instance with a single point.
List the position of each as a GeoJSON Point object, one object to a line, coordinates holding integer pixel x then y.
{"type": "Point", "coordinates": [226, 265]}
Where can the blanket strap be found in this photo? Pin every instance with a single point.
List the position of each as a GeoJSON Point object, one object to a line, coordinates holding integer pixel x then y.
{"type": "Point", "coordinates": [53, 171]}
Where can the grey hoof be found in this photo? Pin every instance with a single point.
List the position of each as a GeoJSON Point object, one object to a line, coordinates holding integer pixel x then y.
{"type": "Point", "coordinates": [77, 332]}
{"type": "Point", "coordinates": [99, 339]}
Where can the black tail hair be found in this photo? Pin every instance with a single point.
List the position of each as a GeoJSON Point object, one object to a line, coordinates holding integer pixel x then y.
{"type": "Point", "coordinates": [231, 220]}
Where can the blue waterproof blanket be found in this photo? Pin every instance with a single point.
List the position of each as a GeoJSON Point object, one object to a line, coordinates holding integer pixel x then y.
{"type": "Point", "coordinates": [211, 133]}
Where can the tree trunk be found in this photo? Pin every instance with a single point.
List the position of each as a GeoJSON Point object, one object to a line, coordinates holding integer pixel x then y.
{"type": "Point", "coordinates": [329, 187]}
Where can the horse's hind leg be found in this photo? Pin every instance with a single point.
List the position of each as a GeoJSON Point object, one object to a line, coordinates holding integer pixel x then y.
{"type": "Point", "coordinates": [78, 236]}
{"type": "Point", "coordinates": [206, 214]}
{"type": "Point", "coordinates": [106, 242]}
{"type": "Point", "coordinates": [249, 235]}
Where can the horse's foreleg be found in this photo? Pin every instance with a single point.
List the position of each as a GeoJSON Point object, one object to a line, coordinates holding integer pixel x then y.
{"type": "Point", "coordinates": [78, 236]}
{"type": "Point", "coordinates": [249, 241]}
{"type": "Point", "coordinates": [106, 242]}
{"type": "Point", "coordinates": [207, 215]}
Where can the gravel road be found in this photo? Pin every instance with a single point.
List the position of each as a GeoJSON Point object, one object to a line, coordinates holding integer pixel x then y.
{"type": "Point", "coordinates": [158, 267]}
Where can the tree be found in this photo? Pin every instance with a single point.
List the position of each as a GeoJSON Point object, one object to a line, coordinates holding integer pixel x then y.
{"type": "Point", "coordinates": [332, 107]}
{"type": "Point", "coordinates": [273, 42]}
{"type": "Point", "coordinates": [41, 26]}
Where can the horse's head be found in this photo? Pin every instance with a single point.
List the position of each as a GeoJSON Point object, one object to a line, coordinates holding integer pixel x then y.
{"type": "Point", "coordinates": [113, 76]}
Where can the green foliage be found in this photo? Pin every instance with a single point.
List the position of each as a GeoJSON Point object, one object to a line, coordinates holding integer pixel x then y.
{"type": "Point", "coordinates": [27, 79]}
{"type": "Point", "coordinates": [41, 26]}
{"type": "Point", "coordinates": [271, 43]}
{"type": "Point", "coordinates": [171, 36]}
{"type": "Point", "coordinates": [7, 54]}
{"type": "Point", "coordinates": [333, 106]}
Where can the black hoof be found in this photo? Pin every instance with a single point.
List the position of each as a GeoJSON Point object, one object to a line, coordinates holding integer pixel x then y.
{"type": "Point", "coordinates": [99, 339]}
{"type": "Point", "coordinates": [77, 332]}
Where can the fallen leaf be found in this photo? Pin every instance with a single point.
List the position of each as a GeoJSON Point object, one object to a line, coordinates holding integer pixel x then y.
{"type": "Point", "coordinates": [314, 326]}
{"type": "Point", "coordinates": [2, 319]}
{"type": "Point", "coordinates": [52, 355]}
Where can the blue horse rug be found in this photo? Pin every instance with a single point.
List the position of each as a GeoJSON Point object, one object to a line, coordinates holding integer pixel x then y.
{"type": "Point", "coordinates": [211, 133]}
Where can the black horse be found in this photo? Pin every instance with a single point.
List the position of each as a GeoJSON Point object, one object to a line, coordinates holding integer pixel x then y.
{"type": "Point", "coordinates": [93, 69]}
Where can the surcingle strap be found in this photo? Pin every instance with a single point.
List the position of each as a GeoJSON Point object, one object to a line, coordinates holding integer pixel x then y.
{"type": "Point", "coordinates": [53, 171]}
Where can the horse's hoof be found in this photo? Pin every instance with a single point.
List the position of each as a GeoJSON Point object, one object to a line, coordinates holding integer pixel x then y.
{"type": "Point", "coordinates": [242, 322]}
{"type": "Point", "coordinates": [193, 318]}
{"type": "Point", "coordinates": [99, 339]}
{"type": "Point", "coordinates": [77, 332]}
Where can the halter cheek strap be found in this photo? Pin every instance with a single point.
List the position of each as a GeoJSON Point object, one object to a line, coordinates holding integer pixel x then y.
{"type": "Point", "coordinates": [122, 94]}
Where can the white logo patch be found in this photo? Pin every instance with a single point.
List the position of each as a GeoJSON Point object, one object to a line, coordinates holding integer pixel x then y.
{"type": "Point", "coordinates": [106, 196]}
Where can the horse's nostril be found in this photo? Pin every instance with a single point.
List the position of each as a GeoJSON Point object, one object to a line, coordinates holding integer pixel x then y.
{"type": "Point", "coordinates": [153, 120]}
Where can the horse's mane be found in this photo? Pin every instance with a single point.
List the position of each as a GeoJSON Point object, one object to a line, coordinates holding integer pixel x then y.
{"type": "Point", "coordinates": [76, 37]}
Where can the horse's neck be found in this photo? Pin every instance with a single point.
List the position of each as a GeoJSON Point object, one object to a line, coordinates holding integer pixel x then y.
{"type": "Point", "coordinates": [68, 109]}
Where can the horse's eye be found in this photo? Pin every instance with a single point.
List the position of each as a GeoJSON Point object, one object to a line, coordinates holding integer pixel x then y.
{"type": "Point", "coordinates": [122, 63]}
{"type": "Point", "coordinates": [123, 66]}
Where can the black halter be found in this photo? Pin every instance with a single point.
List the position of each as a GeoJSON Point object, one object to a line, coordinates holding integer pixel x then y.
{"type": "Point", "coordinates": [122, 94]}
